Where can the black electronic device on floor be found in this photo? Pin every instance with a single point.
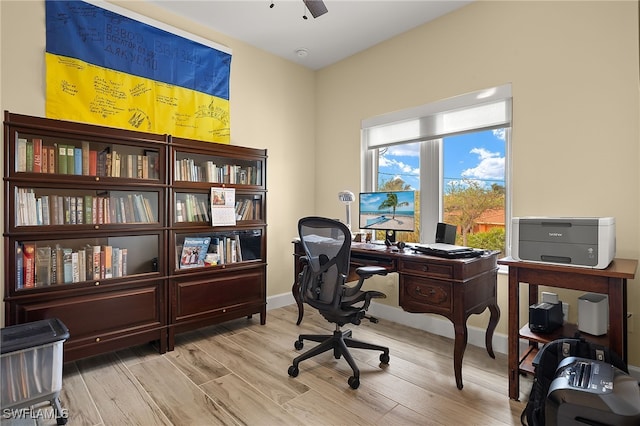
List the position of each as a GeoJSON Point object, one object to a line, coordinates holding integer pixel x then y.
{"type": "Point", "coordinates": [590, 392]}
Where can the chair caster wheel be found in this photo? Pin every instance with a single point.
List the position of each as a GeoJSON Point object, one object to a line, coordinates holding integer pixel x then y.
{"type": "Point", "coordinates": [61, 421]}
{"type": "Point", "coordinates": [298, 344]}
{"type": "Point", "coordinates": [293, 371]}
{"type": "Point", "coordinates": [354, 382]}
{"type": "Point", "coordinates": [384, 358]}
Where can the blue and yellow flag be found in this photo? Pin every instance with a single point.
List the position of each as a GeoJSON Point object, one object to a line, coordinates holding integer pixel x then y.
{"type": "Point", "coordinates": [107, 69]}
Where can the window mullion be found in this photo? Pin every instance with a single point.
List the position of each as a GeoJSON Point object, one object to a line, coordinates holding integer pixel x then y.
{"type": "Point", "coordinates": [430, 189]}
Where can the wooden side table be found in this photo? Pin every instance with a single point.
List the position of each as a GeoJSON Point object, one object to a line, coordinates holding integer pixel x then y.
{"type": "Point", "coordinates": [611, 281]}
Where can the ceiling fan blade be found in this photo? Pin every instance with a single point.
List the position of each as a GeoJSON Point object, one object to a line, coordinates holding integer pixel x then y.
{"type": "Point", "coordinates": [316, 7]}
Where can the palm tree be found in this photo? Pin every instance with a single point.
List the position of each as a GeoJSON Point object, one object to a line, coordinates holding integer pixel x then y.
{"type": "Point", "coordinates": [392, 203]}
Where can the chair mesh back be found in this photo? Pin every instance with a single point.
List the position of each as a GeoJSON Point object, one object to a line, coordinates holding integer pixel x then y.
{"type": "Point", "coordinates": [327, 245]}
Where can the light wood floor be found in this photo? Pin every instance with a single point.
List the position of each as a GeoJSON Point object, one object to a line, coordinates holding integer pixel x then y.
{"type": "Point", "coordinates": [236, 374]}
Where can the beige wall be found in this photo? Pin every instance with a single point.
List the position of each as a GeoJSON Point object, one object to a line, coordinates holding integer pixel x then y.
{"type": "Point", "coordinates": [272, 107]}
{"type": "Point", "coordinates": [574, 71]}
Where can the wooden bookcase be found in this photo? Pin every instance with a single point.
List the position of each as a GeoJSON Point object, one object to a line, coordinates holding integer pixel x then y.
{"type": "Point", "coordinates": [78, 195]}
{"type": "Point", "coordinates": [233, 281]}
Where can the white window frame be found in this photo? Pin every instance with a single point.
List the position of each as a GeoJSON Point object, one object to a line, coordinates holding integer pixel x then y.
{"type": "Point", "coordinates": [429, 124]}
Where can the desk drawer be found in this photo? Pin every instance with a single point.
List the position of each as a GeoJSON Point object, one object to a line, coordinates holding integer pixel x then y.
{"type": "Point", "coordinates": [426, 269]}
{"type": "Point", "coordinates": [424, 295]}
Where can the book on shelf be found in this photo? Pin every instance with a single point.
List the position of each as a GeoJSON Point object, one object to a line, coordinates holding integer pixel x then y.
{"type": "Point", "coordinates": [60, 272]}
{"type": "Point", "coordinates": [52, 159]}
{"type": "Point", "coordinates": [125, 253]}
{"type": "Point", "coordinates": [238, 248]}
{"type": "Point", "coordinates": [54, 265]}
{"type": "Point", "coordinates": [60, 203]}
{"type": "Point", "coordinates": [21, 164]}
{"type": "Point", "coordinates": [180, 208]}
{"type": "Point", "coordinates": [43, 266]}
{"type": "Point", "coordinates": [77, 161]}
{"type": "Point", "coordinates": [73, 210]}
{"type": "Point", "coordinates": [85, 158]}
{"type": "Point", "coordinates": [194, 251]}
{"type": "Point", "coordinates": [79, 210]}
{"type": "Point", "coordinates": [46, 210]}
{"type": "Point", "coordinates": [82, 264]}
{"type": "Point", "coordinates": [67, 264]}
{"type": "Point", "coordinates": [37, 155]}
{"type": "Point", "coordinates": [29, 260]}
{"type": "Point", "coordinates": [45, 159]}
{"type": "Point", "coordinates": [108, 261]}
{"type": "Point", "coordinates": [19, 267]}
{"type": "Point", "coordinates": [38, 211]}
{"type": "Point", "coordinates": [71, 160]}
{"type": "Point", "coordinates": [93, 162]}
{"type": "Point", "coordinates": [29, 156]}
{"type": "Point", "coordinates": [75, 267]}
{"type": "Point", "coordinates": [62, 159]}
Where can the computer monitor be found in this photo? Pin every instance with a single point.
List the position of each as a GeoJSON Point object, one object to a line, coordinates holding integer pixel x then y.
{"type": "Point", "coordinates": [388, 211]}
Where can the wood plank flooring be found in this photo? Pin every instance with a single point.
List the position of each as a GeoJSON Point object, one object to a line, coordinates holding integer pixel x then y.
{"type": "Point", "coordinates": [236, 374]}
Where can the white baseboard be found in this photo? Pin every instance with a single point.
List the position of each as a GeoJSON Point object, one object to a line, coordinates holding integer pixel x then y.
{"type": "Point", "coordinates": [280, 300]}
{"type": "Point", "coordinates": [430, 323]}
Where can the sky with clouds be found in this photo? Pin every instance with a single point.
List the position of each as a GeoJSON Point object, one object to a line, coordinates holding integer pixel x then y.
{"type": "Point", "coordinates": [479, 155]}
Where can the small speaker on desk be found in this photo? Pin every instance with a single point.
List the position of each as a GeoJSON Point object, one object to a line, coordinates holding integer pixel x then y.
{"type": "Point", "coordinates": [446, 233]}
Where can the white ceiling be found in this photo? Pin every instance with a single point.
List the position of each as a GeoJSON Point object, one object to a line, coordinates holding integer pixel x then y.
{"type": "Point", "coordinates": [349, 26]}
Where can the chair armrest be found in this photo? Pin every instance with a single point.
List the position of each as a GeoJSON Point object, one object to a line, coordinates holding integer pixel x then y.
{"type": "Point", "coordinates": [369, 271]}
{"type": "Point", "coordinates": [364, 272]}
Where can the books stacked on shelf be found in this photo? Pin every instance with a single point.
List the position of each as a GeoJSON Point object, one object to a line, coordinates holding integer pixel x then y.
{"type": "Point", "coordinates": [227, 249]}
{"type": "Point", "coordinates": [248, 209]}
{"type": "Point", "coordinates": [209, 251]}
{"type": "Point", "coordinates": [188, 170]}
{"type": "Point", "coordinates": [39, 266]}
{"type": "Point", "coordinates": [192, 208]}
{"type": "Point", "coordinates": [67, 159]}
{"type": "Point", "coordinates": [78, 210]}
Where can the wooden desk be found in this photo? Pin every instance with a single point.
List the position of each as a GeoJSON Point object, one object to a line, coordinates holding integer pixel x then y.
{"type": "Point", "coordinates": [453, 288]}
{"type": "Point", "coordinates": [611, 281]}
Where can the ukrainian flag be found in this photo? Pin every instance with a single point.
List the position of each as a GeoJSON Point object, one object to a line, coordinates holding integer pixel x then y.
{"type": "Point", "coordinates": [108, 69]}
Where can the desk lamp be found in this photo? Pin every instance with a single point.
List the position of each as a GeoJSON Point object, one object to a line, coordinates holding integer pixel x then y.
{"type": "Point", "coordinates": [347, 198]}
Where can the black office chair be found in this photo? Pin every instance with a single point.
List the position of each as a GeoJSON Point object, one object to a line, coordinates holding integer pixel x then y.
{"type": "Point", "coordinates": [327, 244]}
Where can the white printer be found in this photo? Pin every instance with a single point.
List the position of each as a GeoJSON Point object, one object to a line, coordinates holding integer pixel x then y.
{"type": "Point", "coordinates": [587, 242]}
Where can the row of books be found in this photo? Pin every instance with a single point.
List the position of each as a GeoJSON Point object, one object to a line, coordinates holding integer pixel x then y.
{"type": "Point", "coordinates": [192, 209]}
{"type": "Point", "coordinates": [248, 209]}
{"type": "Point", "coordinates": [27, 374]}
{"type": "Point", "coordinates": [207, 251]}
{"type": "Point", "coordinates": [40, 266]}
{"type": "Point", "coordinates": [188, 170]}
{"type": "Point", "coordinates": [35, 157]}
{"type": "Point", "coordinates": [78, 210]}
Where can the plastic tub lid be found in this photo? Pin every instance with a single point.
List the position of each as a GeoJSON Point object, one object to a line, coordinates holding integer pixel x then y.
{"type": "Point", "coordinates": [31, 334]}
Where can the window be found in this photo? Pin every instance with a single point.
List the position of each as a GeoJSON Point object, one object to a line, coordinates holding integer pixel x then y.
{"type": "Point", "coordinates": [454, 154]}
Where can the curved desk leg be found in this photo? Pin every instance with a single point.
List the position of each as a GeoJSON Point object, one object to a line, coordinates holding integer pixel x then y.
{"type": "Point", "coordinates": [458, 350]}
{"type": "Point", "coordinates": [493, 322]}
{"type": "Point", "coordinates": [295, 289]}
